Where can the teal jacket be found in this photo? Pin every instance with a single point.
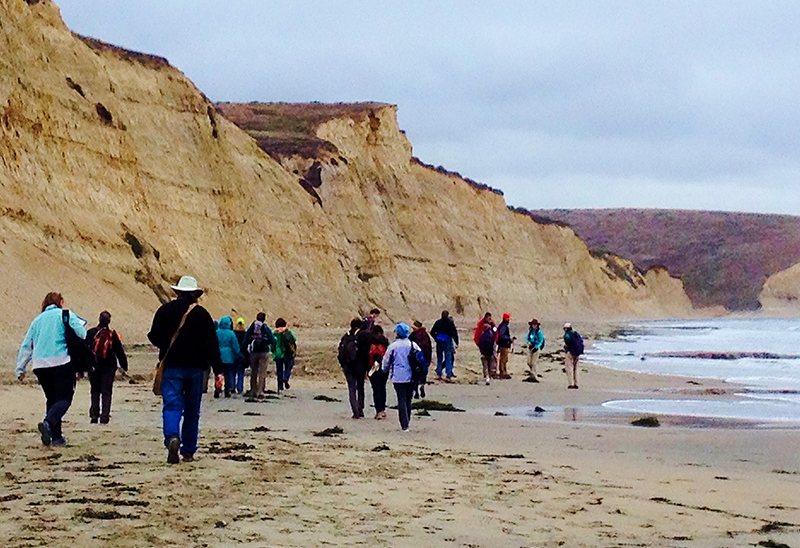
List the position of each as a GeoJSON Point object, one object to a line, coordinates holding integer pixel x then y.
{"type": "Point", "coordinates": [45, 343]}
{"type": "Point", "coordinates": [535, 339]}
{"type": "Point", "coordinates": [229, 350]}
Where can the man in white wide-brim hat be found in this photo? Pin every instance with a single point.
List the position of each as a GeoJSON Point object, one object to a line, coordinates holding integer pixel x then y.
{"type": "Point", "coordinates": [194, 349]}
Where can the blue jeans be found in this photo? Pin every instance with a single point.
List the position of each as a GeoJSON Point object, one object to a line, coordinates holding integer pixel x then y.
{"type": "Point", "coordinates": [283, 368]}
{"type": "Point", "coordinates": [238, 374]}
{"type": "Point", "coordinates": [182, 391]}
{"type": "Point", "coordinates": [444, 358]}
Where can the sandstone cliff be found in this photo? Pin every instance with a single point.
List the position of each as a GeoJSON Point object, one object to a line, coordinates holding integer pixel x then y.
{"type": "Point", "coordinates": [781, 293]}
{"type": "Point", "coordinates": [117, 176]}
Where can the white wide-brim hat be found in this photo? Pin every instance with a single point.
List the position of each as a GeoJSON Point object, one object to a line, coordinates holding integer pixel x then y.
{"type": "Point", "coordinates": [186, 283]}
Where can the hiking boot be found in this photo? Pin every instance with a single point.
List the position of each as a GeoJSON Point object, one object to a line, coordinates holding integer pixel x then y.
{"type": "Point", "coordinates": [286, 384]}
{"type": "Point", "coordinates": [59, 442]}
{"type": "Point", "coordinates": [173, 449]}
{"type": "Point", "coordinates": [93, 420]}
{"type": "Point", "coordinates": [103, 420]}
{"type": "Point", "coordinates": [44, 430]}
{"type": "Point", "coordinates": [188, 458]}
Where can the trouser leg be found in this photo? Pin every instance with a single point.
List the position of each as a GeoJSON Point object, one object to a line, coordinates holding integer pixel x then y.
{"type": "Point", "coordinates": [404, 395]}
{"type": "Point", "coordinates": [106, 391]}
{"type": "Point", "coordinates": [94, 387]}
{"type": "Point", "coordinates": [378, 382]}
{"type": "Point", "coordinates": [440, 357]}
{"type": "Point", "coordinates": [486, 362]}
{"type": "Point", "coordinates": [448, 360]}
{"type": "Point", "coordinates": [533, 358]}
{"type": "Point", "coordinates": [173, 401]}
{"type": "Point", "coordinates": [279, 366]}
{"type": "Point", "coordinates": [193, 396]}
{"type": "Point", "coordinates": [503, 361]}
{"type": "Point", "coordinates": [58, 385]}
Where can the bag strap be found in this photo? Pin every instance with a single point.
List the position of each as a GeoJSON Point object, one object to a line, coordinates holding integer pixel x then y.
{"type": "Point", "coordinates": [177, 331]}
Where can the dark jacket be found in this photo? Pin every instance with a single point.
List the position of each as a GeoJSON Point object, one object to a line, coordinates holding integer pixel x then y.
{"type": "Point", "coordinates": [364, 340]}
{"type": "Point", "coordinates": [423, 340]}
{"type": "Point", "coordinates": [486, 343]}
{"type": "Point", "coordinates": [504, 339]}
{"type": "Point", "coordinates": [196, 345]}
{"type": "Point", "coordinates": [445, 326]}
{"type": "Point", "coordinates": [117, 355]}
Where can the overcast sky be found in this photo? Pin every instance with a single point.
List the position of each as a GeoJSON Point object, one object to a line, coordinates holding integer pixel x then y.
{"type": "Point", "coordinates": [679, 104]}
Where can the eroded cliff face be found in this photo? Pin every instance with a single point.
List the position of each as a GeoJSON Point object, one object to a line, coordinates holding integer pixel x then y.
{"type": "Point", "coordinates": [781, 293]}
{"type": "Point", "coordinates": [117, 176]}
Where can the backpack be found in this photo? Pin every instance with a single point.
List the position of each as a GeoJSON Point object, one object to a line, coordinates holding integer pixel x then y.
{"type": "Point", "coordinates": [348, 350]}
{"type": "Point", "coordinates": [289, 344]}
{"type": "Point", "coordinates": [416, 359]}
{"type": "Point", "coordinates": [80, 352]}
{"type": "Point", "coordinates": [103, 342]}
{"type": "Point", "coordinates": [575, 344]}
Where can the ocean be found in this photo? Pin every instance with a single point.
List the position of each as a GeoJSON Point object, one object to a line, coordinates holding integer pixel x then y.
{"type": "Point", "coordinates": [761, 355]}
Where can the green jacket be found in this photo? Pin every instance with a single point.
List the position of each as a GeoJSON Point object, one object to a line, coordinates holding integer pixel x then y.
{"type": "Point", "coordinates": [284, 344]}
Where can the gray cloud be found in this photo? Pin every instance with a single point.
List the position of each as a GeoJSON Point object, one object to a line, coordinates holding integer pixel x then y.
{"type": "Point", "coordinates": [639, 103]}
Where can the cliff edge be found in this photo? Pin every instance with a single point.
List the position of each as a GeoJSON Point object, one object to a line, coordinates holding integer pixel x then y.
{"type": "Point", "coordinates": [117, 176]}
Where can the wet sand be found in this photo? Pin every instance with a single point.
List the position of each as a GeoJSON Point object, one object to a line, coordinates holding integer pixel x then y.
{"type": "Point", "coordinates": [473, 479]}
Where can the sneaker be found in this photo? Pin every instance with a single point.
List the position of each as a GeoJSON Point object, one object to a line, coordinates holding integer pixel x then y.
{"type": "Point", "coordinates": [44, 430]}
{"type": "Point", "coordinates": [405, 429]}
{"type": "Point", "coordinates": [506, 376]}
{"type": "Point", "coordinates": [188, 458]}
{"type": "Point", "coordinates": [59, 442]}
{"type": "Point", "coordinates": [173, 448]}
{"type": "Point", "coordinates": [573, 386]}
{"type": "Point", "coordinates": [103, 420]}
{"type": "Point", "coordinates": [93, 420]}
{"type": "Point", "coordinates": [487, 381]}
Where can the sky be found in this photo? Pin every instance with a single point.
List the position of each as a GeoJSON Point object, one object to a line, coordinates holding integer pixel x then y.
{"type": "Point", "coordinates": [559, 103]}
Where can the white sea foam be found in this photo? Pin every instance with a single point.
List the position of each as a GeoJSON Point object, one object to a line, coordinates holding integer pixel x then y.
{"type": "Point", "coordinates": [773, 384]}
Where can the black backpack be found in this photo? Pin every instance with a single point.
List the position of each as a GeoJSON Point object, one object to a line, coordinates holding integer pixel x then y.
{"type": "Point", "coordinates": [348, 350]}
{"type": "Point", "coordinates": [575, 343]}
{"type": "Point", "coordinates": [80, 351]}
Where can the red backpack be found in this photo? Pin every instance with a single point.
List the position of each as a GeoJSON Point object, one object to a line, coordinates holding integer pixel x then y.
{"type": "Point", "coordinates": [103, 341]}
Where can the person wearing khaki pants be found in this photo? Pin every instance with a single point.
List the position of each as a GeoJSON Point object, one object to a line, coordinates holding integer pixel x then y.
{"type": "Point", "coordinates": [573, 346]}
{"type": "Point", "coordinates": [259, 362]}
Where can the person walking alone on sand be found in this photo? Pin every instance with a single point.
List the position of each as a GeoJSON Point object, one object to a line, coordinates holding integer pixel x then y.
{"type": "Point", "coordinates": [194, 349]}
{"type": "Point", "coordinates": [107, 347]}
{"type": "Point", "coordinates": [445, 334]}
{"type": "Point", "coordinates": [396, 363]}
{"type": "Point", "coordinates": [535, 340]}
{"type": "Point", "coordinates": [573, 348]}
{"type": "Point", "coordinates": [45, 345]}
{"type": "Point", "coordinates": [504, 342]}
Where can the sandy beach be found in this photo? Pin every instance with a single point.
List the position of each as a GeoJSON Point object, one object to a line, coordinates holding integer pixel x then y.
{"type": "Point", "coordinates": [468, 479]}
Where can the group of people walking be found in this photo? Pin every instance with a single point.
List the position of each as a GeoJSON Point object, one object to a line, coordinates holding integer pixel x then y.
{"type": "Point", "coordinates": [192, 346]}
{"type": "Point", "coordinates": [365, 353]}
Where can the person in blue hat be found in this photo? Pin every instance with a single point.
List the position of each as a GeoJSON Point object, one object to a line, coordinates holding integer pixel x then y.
{"type": "Point", "coordinates": [397, 363]}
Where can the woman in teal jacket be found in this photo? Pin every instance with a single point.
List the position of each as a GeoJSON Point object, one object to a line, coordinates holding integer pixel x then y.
{"type": "Point", "coordinates": [229, 352]}
{"type": "Point", "coordinates": [535, 342]}
{"type": "Point", "coordinates": [45, 345]}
